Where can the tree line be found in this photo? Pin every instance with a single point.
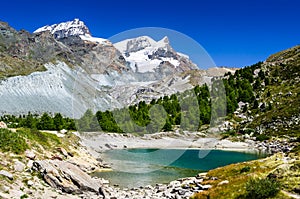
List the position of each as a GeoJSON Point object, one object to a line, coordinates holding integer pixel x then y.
{"type": "Point", "coordinates": [46, 121]}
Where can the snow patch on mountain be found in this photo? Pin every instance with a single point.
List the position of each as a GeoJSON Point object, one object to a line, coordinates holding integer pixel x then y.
{"type": "Point", "coordinates": [95, 39]}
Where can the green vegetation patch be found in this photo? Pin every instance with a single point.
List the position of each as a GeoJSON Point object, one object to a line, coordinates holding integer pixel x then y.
{"type": "Point", "coordinates": [262, 188]}
{"type": "Point", "coordinates": [12, 142]}
{"type": "Point", "coordinates": [17, 142]}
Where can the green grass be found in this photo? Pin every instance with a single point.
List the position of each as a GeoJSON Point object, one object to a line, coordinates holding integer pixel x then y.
{"type": "Point", "coordinates": [17, 142]}
{"type": "Point", "coordinates": [12, 142]}
{"type": "Point", "coordinates": [242, 175]}
{"type": "Point", "coordinates": [43, 138]}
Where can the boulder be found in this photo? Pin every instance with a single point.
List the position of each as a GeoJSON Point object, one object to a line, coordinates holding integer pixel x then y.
{"type": "Point", "coordinates": [6, 174]}
{"type": "Point", "coordinates": [4, 195]}
{"type": "Point", "coordinates": [30, 154]}
{"type": "Point", "coordinates": [66, 176]}
{"type": "Point", "coordinates": [30, 183]}
{"type": "Point", "coordinates": [19, 166]}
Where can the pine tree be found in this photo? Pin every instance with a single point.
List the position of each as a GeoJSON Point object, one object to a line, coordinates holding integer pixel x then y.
{"type": "Point", "coordinates": [58, 122]}
{"type": "Point", "coordinates": [46, 122]}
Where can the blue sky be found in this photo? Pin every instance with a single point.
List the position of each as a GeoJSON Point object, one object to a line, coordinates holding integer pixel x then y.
{"type": "Point", "coordinates": [234, 33]}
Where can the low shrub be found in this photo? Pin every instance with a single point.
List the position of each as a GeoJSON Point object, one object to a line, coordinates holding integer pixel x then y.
{"type": "Point", "coordinates": [262, 188]}
{"type": "Point", "coordinates": [245, 169]}
{"type": "Point", "coordinates": [262, 137]}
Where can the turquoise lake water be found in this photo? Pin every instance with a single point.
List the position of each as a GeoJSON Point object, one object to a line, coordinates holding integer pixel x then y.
{"type": "Point", "coordinates": [141, 167]}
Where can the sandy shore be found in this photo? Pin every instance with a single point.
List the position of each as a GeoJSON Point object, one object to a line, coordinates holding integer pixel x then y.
{"type": "Point", "coordinates": [100, 142]}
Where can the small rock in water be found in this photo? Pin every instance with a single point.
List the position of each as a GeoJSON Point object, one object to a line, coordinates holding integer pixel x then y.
{"type": "Point", "coordinates": [104, 181]}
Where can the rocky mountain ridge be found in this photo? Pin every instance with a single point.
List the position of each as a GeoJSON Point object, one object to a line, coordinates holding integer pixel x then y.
{"type": "Point", "coordinates": [76, 71]}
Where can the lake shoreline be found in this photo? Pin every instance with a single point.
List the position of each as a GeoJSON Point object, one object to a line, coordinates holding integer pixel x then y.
{"type": "Point", "coordinates": [99, 142]}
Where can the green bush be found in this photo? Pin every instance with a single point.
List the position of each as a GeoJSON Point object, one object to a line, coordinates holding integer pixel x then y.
{"type": "Point", "coordinates": [262, 137]}
{"type": "Point", "coordinates": [12, 141]}
{"type": "Point", "coordinates": [262, 188]}
{"type": "Point", "coordinates": [245, 169]}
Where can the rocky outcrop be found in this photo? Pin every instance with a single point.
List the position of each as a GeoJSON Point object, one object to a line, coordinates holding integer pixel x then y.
{"type": "Point", "coordinates": [180, 189]}
{"type": "Point", "coordinates": [66, 176]}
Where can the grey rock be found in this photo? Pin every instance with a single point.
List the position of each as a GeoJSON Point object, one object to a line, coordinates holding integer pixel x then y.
{"type": "Point", "coordinates": [181, 192]}
{"type": "Point", "coordinates": [7, 174]}
{"type": "Point", "coordinates": [19, 166]}
{"type": "Point", "coordinates": [30, 154]}
{"type": "Point", "coordinates": [4, 188]}
{"type": "Point", "coordinates": [223, 182]}
{"type": "Point", "coordinates": [64, 152]}
{"type": "Point", "coordinates": [66, 176]}
{"type": "Point", "coordinates": [205, 187]}
{"type": "Point", "coordinates": [4, 196]}
{"type": "Point", "coordinates": [30, 183]}
{"type": "Point", "coordinates": [30, 164]}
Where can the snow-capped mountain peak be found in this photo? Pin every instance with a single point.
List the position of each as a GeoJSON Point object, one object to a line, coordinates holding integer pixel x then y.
{"type": "Point", "coordinates": [72, 28]}
{"type": "Point", "coordinates": [66, 29]}
{"type": "Point", "coordinates": [144, 54]}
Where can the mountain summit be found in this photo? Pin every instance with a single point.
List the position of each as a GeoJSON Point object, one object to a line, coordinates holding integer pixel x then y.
{"type": "Point", "coordinates": [144, 54]}
{"type": "Point", "coordinates": [71, 28]}
{"type": "Point", "coordinates": [66, 29]}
